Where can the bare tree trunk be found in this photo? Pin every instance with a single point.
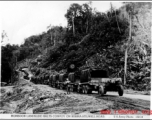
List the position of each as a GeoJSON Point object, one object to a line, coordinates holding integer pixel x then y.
{"type": "Point", "coordinates": [117, 22]}
{"type": "Point", "coordinates": [73, 26]}
{"type": "Point", "coordinates": [126, 52]}
{"type": "Point", "coordinates": [111, 9]}
{"type": "Point", "coordinates": [125, 67]}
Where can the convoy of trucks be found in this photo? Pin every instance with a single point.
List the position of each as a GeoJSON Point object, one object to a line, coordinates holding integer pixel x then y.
{"type": "Point", "coordinates": [83, 81]}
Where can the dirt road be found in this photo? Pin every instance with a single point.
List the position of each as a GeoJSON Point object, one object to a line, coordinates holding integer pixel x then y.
{"type": "Point", "coordinates": [42, 99]}
{"type": "Point", "coordinates": [141, 97]}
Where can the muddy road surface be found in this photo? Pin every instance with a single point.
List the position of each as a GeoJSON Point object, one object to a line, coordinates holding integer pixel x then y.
{"type": "Point", "coordinates": [29, 98]}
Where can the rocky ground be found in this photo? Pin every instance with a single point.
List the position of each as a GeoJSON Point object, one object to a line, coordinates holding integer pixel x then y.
{"type": "Point", "coordinates": [27, 98]}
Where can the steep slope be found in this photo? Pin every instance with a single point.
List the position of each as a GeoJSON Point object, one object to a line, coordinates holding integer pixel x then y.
{"type": "Point", "coordinates": [96, 39]}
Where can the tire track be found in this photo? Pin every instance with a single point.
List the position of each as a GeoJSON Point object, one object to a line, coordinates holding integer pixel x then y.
{"type": "Point", "coordinates": [123, 102]}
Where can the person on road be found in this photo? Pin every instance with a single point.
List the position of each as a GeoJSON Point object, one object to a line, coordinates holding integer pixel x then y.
{"type": "Point", "coordinates": [68, 86]}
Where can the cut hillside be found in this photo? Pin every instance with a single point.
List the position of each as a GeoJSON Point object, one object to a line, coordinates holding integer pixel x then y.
{"type": "Point", "coordinates": [95, 39]}
{"type": "Point", "coordinates": [104, 45]}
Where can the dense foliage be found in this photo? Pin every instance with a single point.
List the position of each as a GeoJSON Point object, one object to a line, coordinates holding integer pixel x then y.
{"type": "Point", "coordinates": [9, 61]}
{"type": "Point", "coordinates": [95, 39]}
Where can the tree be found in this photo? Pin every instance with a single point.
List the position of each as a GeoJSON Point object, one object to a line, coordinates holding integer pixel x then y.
{"type": "Point", "coordinates": [8, 63]}
{"type": "Point", "coordinates": [73, 15]}
{"type": "Point", "coordinates": [5, 39]}
{"type": "Point", "coordinates": [54, 35]}
{"type": "Point", "coordinates": [135, 43]}
{"type": "Point", "coordinates": [87, 16]}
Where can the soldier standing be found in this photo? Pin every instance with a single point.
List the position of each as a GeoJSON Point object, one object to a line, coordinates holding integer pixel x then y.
{"type": "Point", "coordinates": [68, 86]}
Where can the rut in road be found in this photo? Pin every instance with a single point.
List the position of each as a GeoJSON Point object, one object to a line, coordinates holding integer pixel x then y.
{"type": "Point", "coordinates": [121, 102]}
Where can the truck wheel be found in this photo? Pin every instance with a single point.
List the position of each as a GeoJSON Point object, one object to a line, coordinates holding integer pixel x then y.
{"type": "Point", "coordinates": [120, 90]}
{"type": "Point", "coordinates": [88, 90]}
{"type": "Point", "coordinates": [61, 87]}
{"type": "Point", "coordinates": [58, 86]}
{"type": "Point", "coordinates": [105, 91]}
{"type": "Point", "coordinates": [71, 88]}
{"type": "Point", "coordinates": [78, 89]}
{"type": "Point", "coordinates": [83, 89]}
{"type": "Point", "coordinates": [101, 90]}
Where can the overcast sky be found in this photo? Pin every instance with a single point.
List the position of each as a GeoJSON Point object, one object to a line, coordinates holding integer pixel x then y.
{"type": "Point", "coordinates": [21, 19]}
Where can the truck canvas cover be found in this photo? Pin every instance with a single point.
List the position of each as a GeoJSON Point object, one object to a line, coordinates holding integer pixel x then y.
{"type": "Point", "coordinates": [99, 74]}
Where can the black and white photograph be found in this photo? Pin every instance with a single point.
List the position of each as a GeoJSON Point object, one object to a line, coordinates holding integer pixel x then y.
{"type": "Point", "coordinates": [75, 59]}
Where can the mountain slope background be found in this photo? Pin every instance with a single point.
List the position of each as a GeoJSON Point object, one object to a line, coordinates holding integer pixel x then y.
{"type": "Point", "coordinates": [91, 38]}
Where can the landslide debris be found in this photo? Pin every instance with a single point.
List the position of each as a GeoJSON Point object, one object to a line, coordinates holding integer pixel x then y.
{"type": "Point", "coordinates": [27, 98]}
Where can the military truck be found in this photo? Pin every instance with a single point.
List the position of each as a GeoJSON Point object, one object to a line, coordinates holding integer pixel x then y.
{"type": "Point", "coordinates": [74, 78]}
{"type": "Point", "coordinates": [62, 81]}
{"type": "Point", "coordinates": [50, 80]}
{"type": "Point", "coordinates": [94, 79]}
{"type": "Point", "coordinates": [55, 79]}
{"type": "Point", "coordinates": [46, 79]}
{"type": "Point", "coordinates": [97, 79]}
{"type": "Point", "coordinates": [69, 75]}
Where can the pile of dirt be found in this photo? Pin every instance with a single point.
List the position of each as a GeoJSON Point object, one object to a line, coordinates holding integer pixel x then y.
{"type": "Point", "coordinates": [28, 98]}
{"type": "Point", "coordinates": [24, 97]}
